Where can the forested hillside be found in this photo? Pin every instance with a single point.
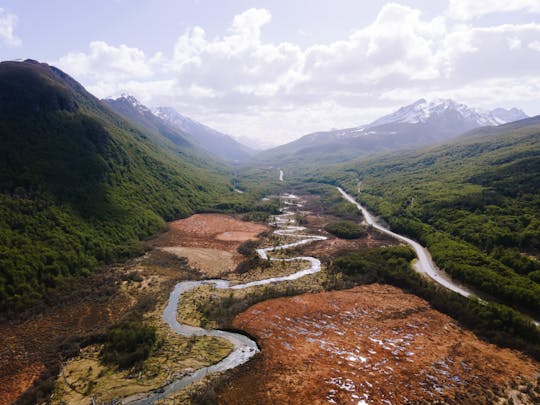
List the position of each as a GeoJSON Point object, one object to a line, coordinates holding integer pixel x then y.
{"type": "Point", "coordinates": [79, 184]}
{"type": "Point", "coordinates": [180, 143]}
{"type": "Point", "coordinates": [474, 203]}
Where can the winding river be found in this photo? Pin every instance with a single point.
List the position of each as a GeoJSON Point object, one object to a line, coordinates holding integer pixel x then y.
{"type": "Point", "coordinates": [243, 347]}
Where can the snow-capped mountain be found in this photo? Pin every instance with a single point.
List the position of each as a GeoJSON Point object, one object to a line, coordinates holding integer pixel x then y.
{"type": "Point", "coordinates": [423, 111]}
{"type": "Point", "coordinates": [133, 110]}
{"type": "Point", "coordinates": [186, 124]}
{"type": "Point", "coordinates": [420, 123]}
{"type": "Point", "coordinates": [179, 129]}
{"type": "Point", "coordinates": [129, 105]}
{"type": "Point", "coordinates": [214, 141]}
{"type": "Point", "coordinates": [133, 102]}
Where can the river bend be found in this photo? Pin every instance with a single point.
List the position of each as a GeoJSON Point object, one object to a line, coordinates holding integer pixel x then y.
{"type": "Point", "coordinates": [243, 347]}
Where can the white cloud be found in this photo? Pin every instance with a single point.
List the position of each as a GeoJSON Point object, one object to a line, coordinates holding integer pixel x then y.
{"type": "Point", "coordinates": [490, 56]}
{"type": "Point", "coordinates": [236, 63]}
{"type": "Point", "coordinates": [487, 93]}
{"type": "Point", "coordinates": [398, 46]}
{"type": "Point", "coordinates": [107, 62]}
{"type": "Point", "coordinates": [7, 29]}
{"type": "Point", "coordinates": [469, 9]}
{"type": "Point", "coordinates": [245, 85]}
{"type": "Point", "coordinates": [535, 46]}
{"type": "Point", "coordinates": [514, 43]}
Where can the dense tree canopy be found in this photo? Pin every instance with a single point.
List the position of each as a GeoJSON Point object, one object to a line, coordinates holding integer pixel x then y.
{"type": "Point", "coordinates": [475, 204]}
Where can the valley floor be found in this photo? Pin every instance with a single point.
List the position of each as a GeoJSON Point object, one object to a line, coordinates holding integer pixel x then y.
{"type": "Point", "coordinates": [30, 348]}
{"type": "Point", "coordinates": [368, 344]}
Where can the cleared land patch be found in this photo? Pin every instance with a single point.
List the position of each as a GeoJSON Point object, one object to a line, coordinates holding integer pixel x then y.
{"type": "Point", "coordinates": [211, 262]}
{"type": "Point", "coordinates": [216, 231]}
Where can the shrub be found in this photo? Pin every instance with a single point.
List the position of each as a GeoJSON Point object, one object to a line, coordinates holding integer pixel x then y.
{"type": "Point", "coordinates": [345, 229]}
{"type": "Point", "coordinates": [129, 343]}
{"type": "Point", "coordinates": [248, 247]}
{"type": "Point", "coordinates": [251, 263]}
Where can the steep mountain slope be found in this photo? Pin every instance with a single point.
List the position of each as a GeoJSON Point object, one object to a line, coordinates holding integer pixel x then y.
{"type": "Point", "coordinates": [183, 144]}
{"type": "Point", "coordinates": [219, 144]}
{"type": "Point", "coordinates": [420, 123]}
{"type": "Point", "coordinates": [78, 183]}
{"type": "Point", "coordinates": [474, 202]}
{"type": "Point", "coordinates": [131, 108]}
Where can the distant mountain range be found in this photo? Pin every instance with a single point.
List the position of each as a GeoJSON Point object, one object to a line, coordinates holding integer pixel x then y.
{"type": "Point", "coordinates": [462, 116]}
{"type": "Point", "coordinates": [421, 123]}
{"type": "Point", "coordinates": [181, 129]}
{"type": "Point", "coordinates": [218, 143]}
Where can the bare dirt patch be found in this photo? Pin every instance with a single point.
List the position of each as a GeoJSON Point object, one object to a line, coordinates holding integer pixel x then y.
{"type": "Point", "coordinates": [372, 343]}
{"type": "Point", "coordinates": [236, 236]}
{"type": "Point", "coordinates": [210, 231]}
{"type": "Point", "coordinates": [210, 239]}
{"type": "Point", "coordinates": [211, 262]}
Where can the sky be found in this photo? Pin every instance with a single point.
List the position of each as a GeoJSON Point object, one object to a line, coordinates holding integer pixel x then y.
{"type": "Point", "coordinates": [268, 72]}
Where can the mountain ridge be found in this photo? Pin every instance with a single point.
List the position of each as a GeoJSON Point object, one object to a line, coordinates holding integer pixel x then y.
{"type": "Point", "coordinates": [214, 141]}
{"type": "Point", "coordinates": [418, 124]}
{"type": "Point", "coordinates": [81, 185]}
{"type": "Point", "coordinates": [423, 110]}
{"type": "Point", "coordinates": [181, 144]}
{"type": "Point", "coordinates": [181, 129]}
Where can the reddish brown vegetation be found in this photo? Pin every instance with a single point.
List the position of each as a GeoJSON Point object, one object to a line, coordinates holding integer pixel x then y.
{"type": "Point", "coordinates": [89, 306]}
{"type": "Point", "coordinates": [370, 343]}
{"type": "Point", "coordinates": [209, 231]}
{"type": "Point", "coordinates": [331, 246]}
{"type": "Point", "coordinates": [33, 346]}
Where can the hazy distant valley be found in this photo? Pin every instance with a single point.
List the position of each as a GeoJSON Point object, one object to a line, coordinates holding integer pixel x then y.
{"type": "Point", "coordinates": [148, 258]}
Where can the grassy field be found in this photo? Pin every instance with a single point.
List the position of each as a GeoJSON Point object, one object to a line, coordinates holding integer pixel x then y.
{"type": "Point", "coordinates": [87, 377]}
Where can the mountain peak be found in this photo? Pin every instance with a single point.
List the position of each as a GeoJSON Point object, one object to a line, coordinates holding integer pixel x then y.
{"type": "Point", "coordinates": [512, 114]}
{"type": "Point", "coordinates": [131, 101]}
{"type": "Point", "coordinates": [179, 128]}
{"type": "Point", "coordinates": [214, 141]}
{"type": "Point", "coordinates": [172, 116]}
{"type": "Point", "coordinates": [421, 123]}
{"type": "Point", "coordinates": [423, 111]}
{"type": "Point", "coordinates": [130, 98]}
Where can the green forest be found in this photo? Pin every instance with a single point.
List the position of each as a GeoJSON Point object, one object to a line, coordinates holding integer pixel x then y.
{"type": "Point", "coordinates": [80, 186]}
{"type": "Point", "coordinates": [345, 229]}
{"type": "Point", "coordinates": [474, 203]}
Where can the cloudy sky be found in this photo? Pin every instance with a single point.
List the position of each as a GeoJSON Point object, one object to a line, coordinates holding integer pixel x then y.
{"type": "Point", "coordinates": [272, 71]}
